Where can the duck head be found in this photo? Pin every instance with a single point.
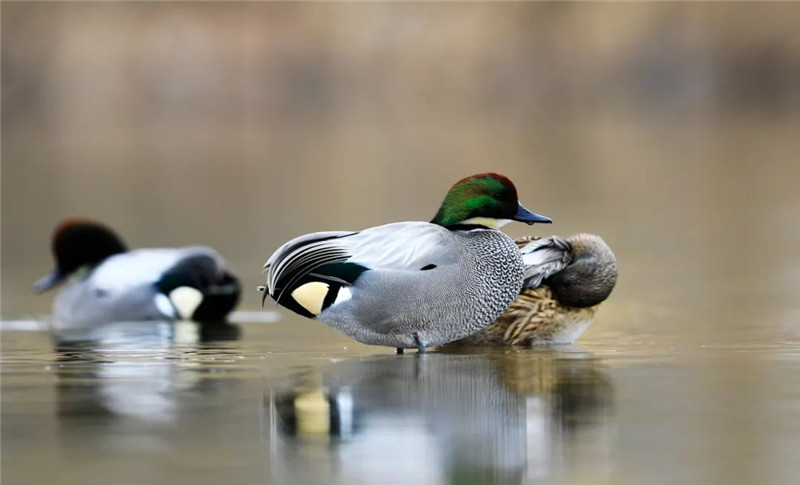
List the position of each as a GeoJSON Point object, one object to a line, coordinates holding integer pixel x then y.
{"type": "Point", "coordinates": [79, 243]}
{"type": "Point", "coordinates": [486, 199]}
{"type": "Point", "coordinates": [589, 277]}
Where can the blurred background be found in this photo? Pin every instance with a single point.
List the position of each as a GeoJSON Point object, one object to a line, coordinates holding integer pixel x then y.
{"type": "Point", "coordinates": [670, 129]}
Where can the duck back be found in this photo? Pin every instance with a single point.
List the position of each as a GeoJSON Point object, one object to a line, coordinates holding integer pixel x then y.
{"type": "Point", "coordinates": [466, 282]}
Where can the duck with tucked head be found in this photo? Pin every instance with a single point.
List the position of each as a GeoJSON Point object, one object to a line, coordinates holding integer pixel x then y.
{"type": "Point", "coordinates": [565, 282]}
{"type": "Point", "coordinates": [410, 284]}
{"type": "Point", "coordinates": [109, 283]}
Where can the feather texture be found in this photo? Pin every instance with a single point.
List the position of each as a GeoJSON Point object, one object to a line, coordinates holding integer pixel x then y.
{"type": "Point", "coordinates": [398, 284]}
{"type": "Point", "coordinates": [301, 255]}
{"type": "Point", "coordinates": [566, 280]}
{"type": "Point", "coordinates": [399, 246]}
{"type": "Point", "coordinates": [543, 257]}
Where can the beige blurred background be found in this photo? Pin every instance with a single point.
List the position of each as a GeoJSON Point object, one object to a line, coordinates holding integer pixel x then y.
{"type": "Point", "coordinates": [670, 129]}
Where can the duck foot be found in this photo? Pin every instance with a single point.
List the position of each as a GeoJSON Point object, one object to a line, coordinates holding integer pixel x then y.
{"type": "Point", "coordinates": [400, 350]}
{"type": "Point", "coordinates": [420, 346]}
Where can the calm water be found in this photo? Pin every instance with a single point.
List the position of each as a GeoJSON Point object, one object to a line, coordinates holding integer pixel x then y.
{"type": "Point", "coordinates": [293, 402]}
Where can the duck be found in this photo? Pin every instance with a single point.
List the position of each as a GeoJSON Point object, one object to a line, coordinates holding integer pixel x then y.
{"type": "Point", "coordinates": [566, 280]}
{"type": "Point", "coordinates": [410, 285]}
{"type": "Point", "coordinates": [107, 282]}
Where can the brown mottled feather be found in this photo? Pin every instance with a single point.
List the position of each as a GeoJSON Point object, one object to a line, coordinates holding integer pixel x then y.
{"type": "Point", "coordinates": [537, 317]}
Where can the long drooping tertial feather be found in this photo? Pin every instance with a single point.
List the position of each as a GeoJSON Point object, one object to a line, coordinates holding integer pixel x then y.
{"type": "Point", "coordinates": [407, 246]}
{"type": "Point", "coordinates": [299, 257]}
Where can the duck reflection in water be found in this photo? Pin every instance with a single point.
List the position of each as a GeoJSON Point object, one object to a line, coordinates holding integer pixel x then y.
{"type": "Point", "coordinates": [162, 333]}
{"type": "Point", "coordinates": [100, 379]}
{"type": "Point", "coordinates": [505, 417]}
{"type": "Point", "coordinates": [132, 404]}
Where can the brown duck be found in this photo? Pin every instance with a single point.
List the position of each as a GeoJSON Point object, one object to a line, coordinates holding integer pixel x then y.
{"type": "Point", "coordinates": [565, 282]}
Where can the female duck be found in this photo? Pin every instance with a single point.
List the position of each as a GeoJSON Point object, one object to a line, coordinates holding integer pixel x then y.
{"type": "Point", "coordinates": [410, 284]}
{"type": "Point", "coordinates": [113, 284]}
{"type": "Point", "coordinates": [565, 282]}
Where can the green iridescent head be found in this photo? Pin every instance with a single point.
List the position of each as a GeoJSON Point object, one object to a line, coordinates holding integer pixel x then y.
{"type": "Point", "coordinates": [486, 199]}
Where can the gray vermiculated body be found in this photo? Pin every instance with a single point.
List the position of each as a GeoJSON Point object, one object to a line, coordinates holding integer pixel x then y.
{"type": "Point", "coordinates": [565, 282]}
{"type": "Point", "coordinates": [478, 275]}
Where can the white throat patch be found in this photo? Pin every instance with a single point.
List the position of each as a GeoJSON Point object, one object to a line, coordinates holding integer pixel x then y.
{"type": "Point", "coordinates": [487, 221]}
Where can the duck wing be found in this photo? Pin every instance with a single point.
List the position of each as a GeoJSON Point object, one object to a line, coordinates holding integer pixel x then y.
{"type": "Point", "coordinates": [337, 259]}
{"type": "Point", "coordinates": [543, 257]}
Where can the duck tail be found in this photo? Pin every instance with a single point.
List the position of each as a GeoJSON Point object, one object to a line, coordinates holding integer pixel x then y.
{"type": "Point", "coordinates": [590, 276]}
{"type": "Point", "coordinates": [200, 287]}
{"type": "Point", "coordinates": [312, 268]}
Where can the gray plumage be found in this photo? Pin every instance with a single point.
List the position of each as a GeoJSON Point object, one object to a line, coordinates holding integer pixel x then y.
{"type": "Point", "coordinates": [566, 280]}
{"type": "Point", "coordinates": [422, 283]}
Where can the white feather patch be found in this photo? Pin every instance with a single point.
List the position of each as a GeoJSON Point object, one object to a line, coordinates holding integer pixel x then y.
{"type": "Point", "coordinates": [311, 296]}
{"type": "Point", "coordinates": [541, 256]}
{"type": "Point", "coordinates": [487, 221]}
{"type": "Point", "coordinates": [164, 305]}
{"type": "Point", "coordinates": [186, 300]}
{"type": "Point", "coordinates": [343, 295]}
{"type": "Point", "coordinates": [120, 272]}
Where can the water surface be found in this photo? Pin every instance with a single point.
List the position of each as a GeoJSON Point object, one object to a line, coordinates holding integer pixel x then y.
{"type": "Point", "coordinates": [293, 402]}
